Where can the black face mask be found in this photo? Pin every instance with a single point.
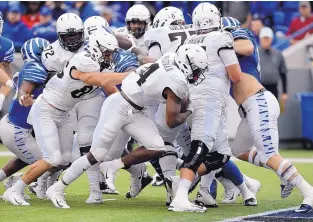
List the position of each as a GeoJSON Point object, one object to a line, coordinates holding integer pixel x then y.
{"type": "Point", "coordinates": [197, 77]}
{"type": "Point", "coordinates": [71, 41]}
{"type": "Point", "coordinates": [138, 32]}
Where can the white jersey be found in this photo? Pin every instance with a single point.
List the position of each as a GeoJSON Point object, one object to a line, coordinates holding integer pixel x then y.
{"type": "Point", "coordinates": [55, 57]}
{"type": "Point", "coordinates": [145, 86]}
{"type": "Point", "coordinates": [137, 42]}
{"type": "Point", "coordinates": [213, 42]}
{"type": "Point", "coordinates": [63, 91]}
{"type": "Point", "coordinates": [169, 38]}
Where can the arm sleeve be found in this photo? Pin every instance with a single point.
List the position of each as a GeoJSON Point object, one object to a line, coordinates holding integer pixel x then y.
{"type": "Point", "coordinates": [124, 60]}
{"type": "Point", "coordinates": [155, 51]}
{"type": "Point", "coordinates": [240, 34]}
{"type": "Point", "coordinates": [9, 54]}
{"type": "Point", "coordinates": [34, 73]}
{"type": "Point", "coordinates": [283, 72]}
{"type": "Point", "coordinates": [228, 56]}
{"type": "Point", "coordinates": [84, 63]}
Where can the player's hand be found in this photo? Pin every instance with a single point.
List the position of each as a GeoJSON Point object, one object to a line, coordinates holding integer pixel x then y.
{"type": "Point", "coordinates": [2, 98]}
{"type": "Point", "coordinates": [284, 97]}
{"type": "Point", "coordinates": [26, 100]}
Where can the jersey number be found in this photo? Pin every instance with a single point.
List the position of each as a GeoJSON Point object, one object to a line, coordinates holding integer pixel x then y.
{"type": "Point", "coordinates": [147, 73]}
{"type": "Point", "coordinates": [49, 51]}
{"type": "Point", "coordinates": [182, 35]}
{"type": "Point", "coordinates": [78, 93]}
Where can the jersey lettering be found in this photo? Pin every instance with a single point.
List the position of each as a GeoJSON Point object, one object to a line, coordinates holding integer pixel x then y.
{"type": "Point", "coordinates": [79, 93]}
{"type": "Point", "coordinates": [147, 73]}
{"type": "Point", "coordinates": [49, 51]}
{"type": "Point", "coordinates": [182, 35]}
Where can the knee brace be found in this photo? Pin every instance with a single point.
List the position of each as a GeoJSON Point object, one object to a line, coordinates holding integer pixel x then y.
{"type": "Point", "coordinates": [196, 156]}
{"type": "Point", "coordinates": [215, 160]}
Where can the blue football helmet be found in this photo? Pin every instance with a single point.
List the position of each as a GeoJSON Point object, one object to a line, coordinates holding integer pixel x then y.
{"type": "Point", "coordinates": [230, 24]}
{"type": "Point", "coordinates": [33, 48]}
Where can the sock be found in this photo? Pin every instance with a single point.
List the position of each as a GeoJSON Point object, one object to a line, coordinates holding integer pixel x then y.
{"type": "Point", "coordinates": [287, 170]}
{"type": "Point", "coordinates": [117, 164]}
{"type": "Point", "coordinates": [206, 181]}
{"type": "Point", "coordinates": [19, 186]}
{"type": "Point", "coordinates": [2, 175]}
{"type": "Point", "coordinates": [245, 192]}
{"type": "Point", "coordinates": [77, 168]}
{"type": "Point", "coordinates": [168, 165]}
{"type": "Point", "coordinates": [232, 172]}
{"type": "Point", "coordinates": [93, 174]}
{"type": "Point", "coordinates": [52, 178]}
{"type": "Point", "coordinates": [134, 170]}
{"type": "Point", "coordinates": [156, 165]}
{"type": "Point", "coordinates": [182, 191]}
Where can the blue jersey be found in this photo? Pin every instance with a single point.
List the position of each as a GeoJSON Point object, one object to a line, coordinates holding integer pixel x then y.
{"type": "Point", "coordinates": [249, 64]}
{"type": "Point", "coordinates": [6, 50]}
{"type": "Point", "coordinates": [124, 59]}
{"type": "Point", "coordinates": [33, 72]}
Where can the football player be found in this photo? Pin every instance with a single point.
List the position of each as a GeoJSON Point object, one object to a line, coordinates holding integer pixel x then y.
{"type": "Point", "coordinates": [257, 137]}
{"type": "Point", "coordinates": [15, 132]}
{"type": "Point", "coordinates": [80, 79]}
{"type": "Point", "coordinates": [151, 84]}
{"type": "Point", "coordinates": [209, 96]}
{"type": "Point", "coordinates": [6, 57]}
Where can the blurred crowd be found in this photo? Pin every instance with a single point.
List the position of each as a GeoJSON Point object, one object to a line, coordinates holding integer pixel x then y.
{"type": "Point", "coordinates": [24, 20]}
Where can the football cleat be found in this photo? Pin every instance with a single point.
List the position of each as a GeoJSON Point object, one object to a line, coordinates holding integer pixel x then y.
{"type": "Point", "coordinates": [105, 190]}
{"type": "Point", "coordinates": [204, 198]}
{"type": "Point", "coordinates": [95, 197]}
{"type": "Point", "coordinates": [109, 175]}
{"type": "Point", "coordinates": [157, 180]}
{"type": "Point", "coordinates": [253, 185]}
{"type": "Point", "coordinates": [171, 185]}
{"type": "Point", "coordinates": [251, 202]}
{"type": "Point", "coordinates": [286, 190]}
{"type": "Point", "coordinates": [179, 206]}
{"type": "Point", "coordinates": [12, 180]}
{"type": "Point", "coordinates": [138, 184]}
{"type": "Point", "coordinates": [57, 198]}
{"type": "Point", "coordinates": [14, 198]}
{"type": "Point", "coordinates": [304, 208]}
{"type": "Point", "coordinates": [231, 195]}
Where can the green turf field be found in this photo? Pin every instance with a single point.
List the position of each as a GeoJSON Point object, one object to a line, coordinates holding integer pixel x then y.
{"type": "Point", "coordinates": [150, 204]}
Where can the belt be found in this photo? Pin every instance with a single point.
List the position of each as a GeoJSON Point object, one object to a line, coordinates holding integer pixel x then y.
{"type": "Point", "coordinates": [52, 105]}
{"type": "Point", "coordinates": [130, 102]}
{"type": "Point", "coordinates": [242, 111]}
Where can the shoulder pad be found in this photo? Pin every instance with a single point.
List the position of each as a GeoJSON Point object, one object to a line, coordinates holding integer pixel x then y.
{"type": "Point", "coordinates": [227, 39]}
{"type": "Point", "coordinates": [85, 63]}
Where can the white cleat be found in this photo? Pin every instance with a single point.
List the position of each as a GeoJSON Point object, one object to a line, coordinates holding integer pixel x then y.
{"type": "Point", "coordinates": [95, 197]}
{"type": "Point", "coordinates": [157, 180]}
{"type": "Point", "coordinates": [109, 175]}
{"type": "Point", "coordinates": [40, 193]}
{"type": "Point", "coordinates": [14, 198]}
{"type": "Point", "coordinates": [231, 195]}
{"type": "Point", "coordinates": [12, 180]}
{"type": "Point", "coordinates": [204, 198]}
{"type": "Point", "coordinates": [57, 198]}
{"type": "Point", "coordinates": [185, 206]}
{"type": "Point", "coordinates": [253, 185]}
{"type": "Point", "coordinates": [171, 185]}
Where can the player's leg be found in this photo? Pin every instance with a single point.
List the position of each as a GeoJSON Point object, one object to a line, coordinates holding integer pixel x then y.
{"type": "Point", "coordinates": [263, 124]}
{"type": "Point", "coordinates": [88, 114]}
{"type": "Point", "coordinates": [44, 119]}
{"type": "Point", "coordinates": [113, 117]}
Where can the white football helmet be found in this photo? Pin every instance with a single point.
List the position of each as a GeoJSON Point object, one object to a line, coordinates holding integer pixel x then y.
{"type": "Point", "coordinates": [94, 23]}
{"type": "Point", "coordinates": [100, 46]}
{"type": "Point", "coordinates": [70, 29]}
{"type": "Point", "coordinates": [137, 14]}
{"type": "Point", "coordinates": [192, 60]}
{"type": "Point", "coordinates": [168, 16]}
{"type": "Point", "coordinates": [205, 17]}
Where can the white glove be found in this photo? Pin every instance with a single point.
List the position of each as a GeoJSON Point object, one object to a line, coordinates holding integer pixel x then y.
{"type": "Point", "coordinates": [10, 84]}
{"type": "Point", "coordinates": [2, 98]}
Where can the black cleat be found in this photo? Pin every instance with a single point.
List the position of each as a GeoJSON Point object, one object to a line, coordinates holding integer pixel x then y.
{"type": "Point", "coordinates": [251, 202]}
{"type": "Point", "coordinates": [145, 181]}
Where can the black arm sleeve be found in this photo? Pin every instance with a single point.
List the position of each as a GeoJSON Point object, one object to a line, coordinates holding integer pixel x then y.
{"type": "Point", "coordinates": [283, 73]}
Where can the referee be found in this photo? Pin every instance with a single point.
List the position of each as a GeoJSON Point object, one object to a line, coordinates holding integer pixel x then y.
{"type": "Point", "coordinates": [273, 66]}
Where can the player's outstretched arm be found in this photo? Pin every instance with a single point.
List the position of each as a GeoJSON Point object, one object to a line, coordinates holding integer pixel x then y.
{"type": "Point", "coordinates": [100, 79]}
{"type": "Point", "coordinates": [243, 47]}
{"type": "Point", "coordinates": [174, 117]}
{"type": "Point", "coordinates": [5, 79]}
